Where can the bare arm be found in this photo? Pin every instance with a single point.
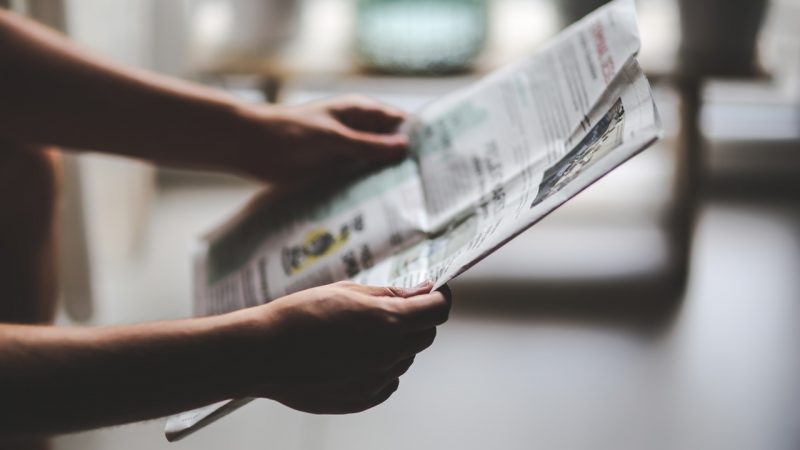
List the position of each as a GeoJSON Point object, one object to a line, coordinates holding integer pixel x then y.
{"type": "Point", "coordinates": [55, 93]}
{"type": "Point", "coordinates": [335, 349]}
{"type": "Point", "coordinates": [59, 379]}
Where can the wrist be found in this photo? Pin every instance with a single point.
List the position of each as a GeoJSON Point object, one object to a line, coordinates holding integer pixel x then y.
{"type": "Point", "coordinates": [235, 132]}
{"type": "Point", "coordinates": [246, 344]}
{"type": "Point", "coordinates": [262, 130]}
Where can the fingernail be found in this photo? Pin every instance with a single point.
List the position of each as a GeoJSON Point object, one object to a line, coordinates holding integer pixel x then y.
{"type": "Point", "coordinates": [423, 284]}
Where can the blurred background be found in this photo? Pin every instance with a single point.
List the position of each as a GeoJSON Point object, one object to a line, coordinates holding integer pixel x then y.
{"type": "Point", "coordinates": [658, 310]}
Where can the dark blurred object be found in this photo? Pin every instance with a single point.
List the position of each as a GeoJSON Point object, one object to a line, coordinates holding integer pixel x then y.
{"type": "Point", "coordinates": [719, 37]}
{"type": "Point", "coordinates": [420, 36]}
{"type": "Point", "coordinates": [573, 10]}
{"type": "Point", "coordinates": [751, 134]}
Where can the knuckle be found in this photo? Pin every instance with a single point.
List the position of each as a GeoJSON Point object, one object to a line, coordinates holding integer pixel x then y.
{"type": "Point", "coordinates": [393, 291]}
{"type": "Point", "coordinates": [428, 343]}
{"type": "Point", "coordinates": [379, 291]}
{"type": "Point", "coordinates": [392, 388]}
{"type": "Point", "coordinates": [402, 367]}
{"type": "Point", "coordinates": [377, 397]}
{"type": "Point", "coordinates": [389, 292]}
{"type": "Point", "coordinates": [402, 371]}
{"type": "Point", "coordinates": [425, 343]}
{"type": "Point", "coordinates": [430, 335]}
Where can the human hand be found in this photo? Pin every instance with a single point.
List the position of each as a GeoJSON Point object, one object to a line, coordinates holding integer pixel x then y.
{"type": "Point", "coordinates": [322, 139]}
{"type": "Point", "coordinates": [341, 348]}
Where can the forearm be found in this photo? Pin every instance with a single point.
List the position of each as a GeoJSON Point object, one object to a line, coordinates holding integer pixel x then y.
{"type": "Point", "coordinates": [57, 379]}
{"type": "Point", "coordinates": [55, 93]}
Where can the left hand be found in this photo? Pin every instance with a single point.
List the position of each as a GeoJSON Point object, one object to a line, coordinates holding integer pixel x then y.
{"type": "Point", "coordinates": [335, 349]}
{"type": "Point", "coordinates": [323, 139]}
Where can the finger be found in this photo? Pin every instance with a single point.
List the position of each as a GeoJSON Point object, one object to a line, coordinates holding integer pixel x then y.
{"type": "Point", "coordinates": [365, 114]}
{"type": "Point", "coordinates": [373, 384]}
{"type": "Point", "coordinates": [400, 368]}
{"type": "Point", "coordinates": [375, 147]}
{"type": "Point", "coordinates": [363, 102]}
{"type": "Point", "coordinates": [364, 379]}
{"type": "Point", "coordinates": [331, 401]}
{"type": "Point", "coordinates": [394, 358]}
{"type": "Point", "coordinates": [419, 341]}
{"type": "Point", "coordinates": [421, 312]}
{"type": "Point", "coordinates": [338, 402]}
{"type": "Point", "coordinates": [379, 397]}
{"type": "Point", "coordinates": [369, 120]}
{"type": "Point", "coordinates": [335, 404]}
{"type": "Point", "coordinates": [387, 391]}
{"type": "Point", "coordinates": [393, 291]}
{"type": "Point", "coordinates": [391, 359]}
{"type": "Point", "coordinates": [448, 294]}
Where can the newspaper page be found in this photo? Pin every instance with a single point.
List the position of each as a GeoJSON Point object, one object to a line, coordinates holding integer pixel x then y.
{"type": "Point", "coordinates": [487, 162]}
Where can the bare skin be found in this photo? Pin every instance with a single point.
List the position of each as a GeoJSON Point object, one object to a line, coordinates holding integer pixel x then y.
{"type": "Point", "coordinates": [27, 237]}
{"type": "Point", "coordinates": [28, 184]}
{"type": "Point", "coordinates": [334, 349]}
{"type": "Point", "coordinates": [55, 93]}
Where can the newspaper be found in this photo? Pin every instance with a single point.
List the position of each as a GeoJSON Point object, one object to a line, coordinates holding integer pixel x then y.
{"type": "Point", "coordinates": [486, 163]}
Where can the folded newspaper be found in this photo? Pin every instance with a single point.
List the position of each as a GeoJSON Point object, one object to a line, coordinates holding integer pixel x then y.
{"type": "Point", "coordinates": [486, 163]}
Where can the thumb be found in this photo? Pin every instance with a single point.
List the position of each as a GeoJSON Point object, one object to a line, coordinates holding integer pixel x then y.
{"type": "Point", "coordinates": [379, 147]}
{"type": "Point", "coordinates": [395, 291]}
{"type": "Point", "coordinates": [365, 114]}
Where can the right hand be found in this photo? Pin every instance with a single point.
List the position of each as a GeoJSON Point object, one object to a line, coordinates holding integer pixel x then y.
{"type": "Point", "coordinates": [314, 141]}
{"type": "Point", "coordinates": [341, 348]}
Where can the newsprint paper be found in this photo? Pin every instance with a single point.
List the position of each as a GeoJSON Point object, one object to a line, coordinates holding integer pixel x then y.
{"type": "Point", "coordinates": [486, 163]}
